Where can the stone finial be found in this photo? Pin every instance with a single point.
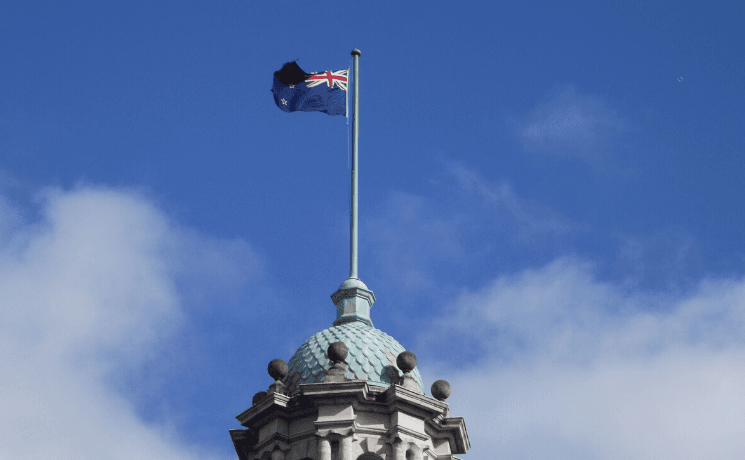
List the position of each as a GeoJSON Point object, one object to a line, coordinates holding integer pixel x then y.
{"type": "Point", "coordinates": [406, 361]}
{"type": "Point", "coordinates": [337, 354]}
{"type": "Point", "coordinates": [258, 397]}
{"type": "Point", "coordinates": [441, 390]}
{"type": "Point", "coordinates": [278, 370]}
{"type": "Point", "coordinates": [353, 301]}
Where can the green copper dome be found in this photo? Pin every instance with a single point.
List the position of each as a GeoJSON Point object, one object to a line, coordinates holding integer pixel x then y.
{"type": "Point", "coordinates": [372, 356]}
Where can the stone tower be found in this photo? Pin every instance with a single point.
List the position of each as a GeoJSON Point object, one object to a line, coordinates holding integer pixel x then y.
{"type": "Point", "coordinates": [350, 392]}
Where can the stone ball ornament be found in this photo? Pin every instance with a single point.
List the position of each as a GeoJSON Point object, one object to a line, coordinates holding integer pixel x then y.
{"type": "Point", "coordinates": [441, 390]}
{"type": "Point", "coordinates": [277, 369]}
{"type": "Point", "coordinates": [406, 361]}
{"type": "Point", "coordinates": [338, 352]}
{"type": "Point", "coordinates": [258, 397]}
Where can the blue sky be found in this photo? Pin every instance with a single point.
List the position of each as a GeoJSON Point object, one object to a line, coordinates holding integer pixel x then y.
{"type": "Point", "coordinates": [550, 217]}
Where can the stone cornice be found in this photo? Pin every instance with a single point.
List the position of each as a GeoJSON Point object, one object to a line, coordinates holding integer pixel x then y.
{"type": "Point", "coordinates": [271, 402]}
{"type": "Point", "coordinates": [340, 427]}
{"type": "Point", "coordinates": [454, 428]}
{"type": "Point", "coordinates": [357, 389]}
{"type": "Point", "coordinates": [360, 396]}
{"type": "Point", "coordinates": [457, 425]}
{"type": "Point", "coordinates": [242, 439]}
{"type": "Point", "coordinates": [397, 431]}
{"type": "Point", "coordinates": [400, 395]}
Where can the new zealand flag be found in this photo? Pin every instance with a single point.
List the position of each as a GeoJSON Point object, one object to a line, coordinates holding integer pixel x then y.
{"type": "Point", "coordinates": [295, 90]}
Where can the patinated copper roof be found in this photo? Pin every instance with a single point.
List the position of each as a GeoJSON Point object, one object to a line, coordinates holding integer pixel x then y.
{"type": "Point", "coordinates": [372, 356]}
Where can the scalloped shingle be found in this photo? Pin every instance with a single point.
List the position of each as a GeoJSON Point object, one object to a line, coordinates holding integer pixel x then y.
{"type": "Point", "coordinates": [372, 356]}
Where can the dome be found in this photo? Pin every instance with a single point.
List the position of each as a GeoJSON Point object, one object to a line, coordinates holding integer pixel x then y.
{"type": "Point", "coordinates": [372, 356]}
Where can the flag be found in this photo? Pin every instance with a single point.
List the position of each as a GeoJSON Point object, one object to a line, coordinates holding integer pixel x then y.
{"type": "Point", "coordinates": [295, 90]}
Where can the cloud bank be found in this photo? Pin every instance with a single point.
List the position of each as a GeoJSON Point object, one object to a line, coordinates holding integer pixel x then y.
{"type": "Point", "coordinates": [88, 291]}
{"type": "Point", "coordinates": [570, 367]}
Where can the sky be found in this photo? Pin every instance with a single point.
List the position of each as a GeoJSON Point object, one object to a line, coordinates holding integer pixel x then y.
{"type": "Point", "coordinates": [551, 215]}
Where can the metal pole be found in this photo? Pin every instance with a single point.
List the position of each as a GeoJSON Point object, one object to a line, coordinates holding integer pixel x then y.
{"type": "Point", "coordinates": [355, 167]}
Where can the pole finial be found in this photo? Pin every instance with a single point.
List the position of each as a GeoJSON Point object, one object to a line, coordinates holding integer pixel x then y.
{"type": "Point", "coordinates": [356, 52]}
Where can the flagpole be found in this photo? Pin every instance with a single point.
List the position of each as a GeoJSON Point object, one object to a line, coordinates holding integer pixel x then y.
{"type": "Point", "coordinates": [355, 167]}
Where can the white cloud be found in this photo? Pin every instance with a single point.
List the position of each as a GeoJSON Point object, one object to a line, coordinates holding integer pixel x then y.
{"type": "Point", "coordinates": [467, 219]}
{"type": "Point", "coordinates": [668, 258]}
{"type": "Point", "coordinates": [572, 367]}
{"type": "Point", "coordinates": [530, 218]}
{"type": "Point", "coordinates": [86, 293]}
{"type": "Point", "coordinates": [571, 125]}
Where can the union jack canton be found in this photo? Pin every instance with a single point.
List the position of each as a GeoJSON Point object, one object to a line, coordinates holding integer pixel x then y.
{"type": "Point", "coordinates": [338, 78]}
